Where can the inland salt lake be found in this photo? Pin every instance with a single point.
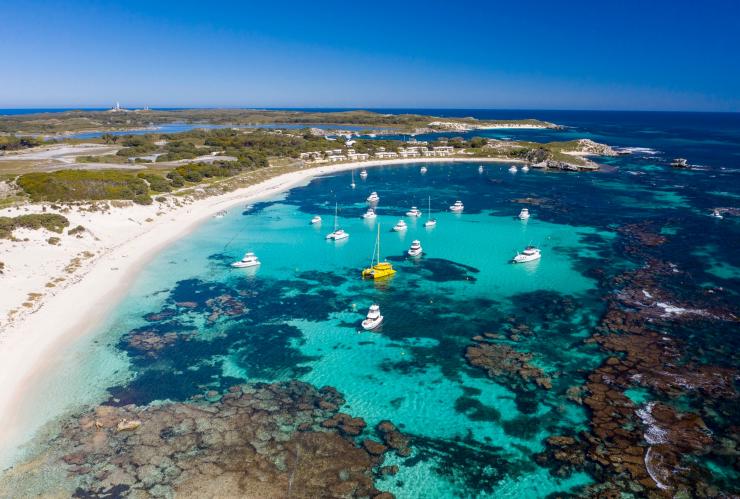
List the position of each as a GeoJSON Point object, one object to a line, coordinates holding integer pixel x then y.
{"type": "Point", "coordinates": [472, 435]}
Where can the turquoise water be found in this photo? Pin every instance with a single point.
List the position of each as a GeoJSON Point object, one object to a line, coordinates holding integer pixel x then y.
{"type": "Point", "coordinates": [297, 316]}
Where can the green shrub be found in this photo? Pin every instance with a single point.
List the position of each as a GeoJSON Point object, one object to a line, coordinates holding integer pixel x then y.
{"type": "Point", "coordinates": [77, 230]}
{"type": "Point", "coordinates": [54, 240]}
{"type": "Point", "coordinates": [142, 199]}
{"type": "Point", "coordinates": [82, 185]}
{"type": "Point", "coordinates": [48, 221]}
{"type": "Point", "coordinates": [157, 183]}
{"type": "Point", "coordinates": [176, 180]}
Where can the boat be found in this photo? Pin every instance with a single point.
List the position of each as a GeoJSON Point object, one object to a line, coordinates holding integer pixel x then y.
{"type": "Point", "coordinates": [480, 169]}
{"type": "Point", "coordinates": [369, 214]}
{"type": "Point", "coordinates": [415, 249]}
{"type": "Point", "coordinates": [524, 214]}
{"type": "Point", "coordinates": [378, 269]}
{"type": "Point", "coordinates": [423, 169]}
{"type": "Point", "coordinates": [353, 185]}
{"type": "Point", "coordinates": [457, 207]}
{"type": "Point", "coordinates": [220, 214]}
{"type": "Point", "coordinates": [373, 318]}
{"type": "Point", "coordinates": [513, 169]}
{"type": "Point", "coordinates": [717, 214]}
{"type": "Point", "coordinates": [413, 212]}
{"type": "Point", "coordinates": [249, 260]}
{"type": "Point", "coordinates": [529, 254]}
{"type": "Point", "coordinates": [338, 233]}
{"type": "Point", "coordinates": [363, 173]}
{"type": "Point", "coordinates": [373, 197]}
{"type": "Point", "coordinates": [400, 226]}
{"type": "Point", "coordinates": [525, 168]}
{"type": "Point", "coordinates": [316, 220]}
{"type": "Point", "coordinates": [680, 163]}
{"type": "Point", "coordinates": [430, 221]}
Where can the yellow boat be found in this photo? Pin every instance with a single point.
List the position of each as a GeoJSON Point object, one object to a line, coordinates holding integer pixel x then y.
{"type": "Point", "coordinates": [378, 270]}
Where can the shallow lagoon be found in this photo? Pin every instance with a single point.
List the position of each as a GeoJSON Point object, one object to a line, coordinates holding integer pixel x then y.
{"type": "Point", "coordinates": [472, 435]}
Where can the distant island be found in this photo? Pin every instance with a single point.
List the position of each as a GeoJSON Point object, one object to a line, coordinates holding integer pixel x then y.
{"type": "Point", "coordinates": [119, 119]}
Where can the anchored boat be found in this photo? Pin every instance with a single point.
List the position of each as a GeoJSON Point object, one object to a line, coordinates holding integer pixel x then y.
{"type": "Point", "coordinates": [378, 269]}
{"type": "Point", "coordinates": [249, 260]}
{"type": "Point", "coordinates": [373, 319]}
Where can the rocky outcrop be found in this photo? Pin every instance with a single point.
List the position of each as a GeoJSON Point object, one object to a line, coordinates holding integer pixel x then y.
{"type": "Point", "coordinates": [499, 360]}
{"type": "Point", "coordinates": [254, 441]}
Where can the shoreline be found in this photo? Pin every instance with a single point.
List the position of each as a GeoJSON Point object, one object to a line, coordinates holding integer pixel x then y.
{"type": "Point", "coordinates": [32, 343]}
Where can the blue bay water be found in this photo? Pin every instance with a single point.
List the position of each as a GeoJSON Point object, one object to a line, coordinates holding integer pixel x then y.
{"type": "Point", "coordinates": [473, 435]}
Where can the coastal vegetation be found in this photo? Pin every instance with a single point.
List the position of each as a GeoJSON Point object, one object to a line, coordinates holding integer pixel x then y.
{"type": "Point", "coordinates": [79, 185]}
{"type": "Point", "coordinates": [49, 221]}
{"type": "Point", "coordinates": [176, 161]}
{"type": "Point", "coordinates": [13, 143]}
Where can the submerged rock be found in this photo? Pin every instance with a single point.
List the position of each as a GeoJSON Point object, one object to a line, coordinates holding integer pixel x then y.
{"type": "Point", "coordinates": [246, 444]}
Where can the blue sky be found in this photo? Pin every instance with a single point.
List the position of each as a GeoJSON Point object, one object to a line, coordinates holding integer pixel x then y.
{"type": "Point", "coordinates": [652, 55]}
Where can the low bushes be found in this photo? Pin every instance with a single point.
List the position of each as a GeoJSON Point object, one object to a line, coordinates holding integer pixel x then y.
{"type": "Point", "coordinates": [48, 221]}
{"type": "Point", "coordinates": [84, 185]}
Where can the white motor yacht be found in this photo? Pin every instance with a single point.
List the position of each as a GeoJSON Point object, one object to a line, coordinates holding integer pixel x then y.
{"type": "Point", "coordinates": [400, 226]}
{"type": "Point", "coordinates": [717, 214]}
{"type": "Point", "coordinates": [249, 260]}
{"type": "Point", "coordinates": [529, 254]}
{"type": "Point", "coordinates": [525, 168]}
{"type": "Point", "coordinates": [373, 197]}
{"type": "Point", "coordinates": [370, 213]}
{"type": "Point", "coordinates": [363, 173]}
{"type": "Point", "coordinates": [513, 169]}
{"type": "Point", "coordinates": [415, 249]}
{"type": "Point", "coordinates": [423, 169]}
{"type": "Point", "coordinates": [373, 319]}
{"type": "Point", "coordinates": [457, 207]}
{"type": "Point", "coordinates": [524, 214]}
{"type": "Point", "coordinates": [316, 220]}
{"type": "Point", "coordinates": [413, 212]}
{"type": "Point", "coordinates": [480, 169]}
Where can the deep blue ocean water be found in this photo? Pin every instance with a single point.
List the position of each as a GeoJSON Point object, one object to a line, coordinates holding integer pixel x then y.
{"type": "Point", "coordinates": [473, 436]}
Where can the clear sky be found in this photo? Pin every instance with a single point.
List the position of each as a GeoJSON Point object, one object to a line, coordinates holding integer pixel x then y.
{"type": "Point", "coordinates": [651, 54]}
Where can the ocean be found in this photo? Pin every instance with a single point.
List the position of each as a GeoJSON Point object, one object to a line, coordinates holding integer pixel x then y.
{"type": "Point", "coordinates": [633, 244]}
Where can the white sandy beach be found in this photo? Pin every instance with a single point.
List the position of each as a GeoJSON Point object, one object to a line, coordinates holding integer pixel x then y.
{"type": "Point", "coordinates": [109, 254]}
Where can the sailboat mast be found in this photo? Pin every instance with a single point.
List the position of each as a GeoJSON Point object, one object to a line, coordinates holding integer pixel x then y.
{"type": "Point", "coordinates": [336, 211]}
{"type": "Point", "coordinates": [378, 243]}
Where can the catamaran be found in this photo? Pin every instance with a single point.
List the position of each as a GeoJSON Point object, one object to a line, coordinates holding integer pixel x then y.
{"type": "Point", "coordinates": [480, 169]}
{"type": "Point", "coordinates": [457, 207]}
{"type": "Point", "coordinates": [373, 319]}
{"type": "Point", "coordinates": [413, 212]}
{"type": "Point", "coordinates": [338, 233]}
{"type": "Point", "coordinates": [249, 260]}
{"type": "Point", "coordinates": [529, 254]}
{"type": "Point", "coordinates": [378, 269]}
{"type": "Point", "coordinates": [415, 249]}
{"type": "Point", "coordinates": [430, 221]}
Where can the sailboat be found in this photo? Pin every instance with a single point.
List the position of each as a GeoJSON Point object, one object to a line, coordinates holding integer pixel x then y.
{"type": "Point", "coordinates": [353, 180]}
{"type": "Point", "coordinates": [430, 221]}
{"type": "Point", "coordinates": [338, 233]}
{"type": "Point", "coordinates": [378, 269]}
